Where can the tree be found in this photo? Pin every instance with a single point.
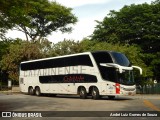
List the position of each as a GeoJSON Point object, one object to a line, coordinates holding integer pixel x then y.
{"type": "Point", "coordinates": [65, 47]}
{"type": "Point", "coordinates": [4, 47]}
{"type": "Point", "coordinates": [36, 18]}
{"type": "Point", "coordinates": [134, 24]}
{"type": "Point", "coordinates": [3, 50]}
{"type": "Point", "coordinates": [19, 51]}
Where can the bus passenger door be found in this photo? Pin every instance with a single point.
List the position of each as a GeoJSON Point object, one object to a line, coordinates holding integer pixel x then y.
{"type": "Point", "coordinates": [22, 84]}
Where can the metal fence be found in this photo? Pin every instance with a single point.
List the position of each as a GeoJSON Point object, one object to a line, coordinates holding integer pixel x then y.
{"type": "Point", "coordinates": [149, 89]}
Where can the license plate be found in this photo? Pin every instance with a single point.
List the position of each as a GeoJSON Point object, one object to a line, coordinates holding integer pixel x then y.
{"type": "Point", "coordinates": [130, 93]}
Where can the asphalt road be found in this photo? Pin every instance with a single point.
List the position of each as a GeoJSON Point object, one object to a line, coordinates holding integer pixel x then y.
{"type": "Point", "coordinates": [120, 105]}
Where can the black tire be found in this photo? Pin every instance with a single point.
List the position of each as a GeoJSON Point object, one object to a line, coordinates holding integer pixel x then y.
{"type": "Point", "coordinates": [30, 91]}
{"type": "Point", "coordinates": [111, 97]}
{"type": "Point", "coordinates": [83, 93]}
{"type": "Point", "coordinates": [37, 91]}
{"type": "Point", "coordinates": [95, 93]}
{"type": "Point", "coordinates": [52, 95]}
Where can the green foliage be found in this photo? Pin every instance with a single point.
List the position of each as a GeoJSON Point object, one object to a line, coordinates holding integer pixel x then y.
{"type": "Point", "coordinates": [65, 47]}
{"type": "Point", "coordinates": [35, 18]}
{"type": "Point", "coordinates": [134, 24]}
{"type": "Point", "coordinates": [19, 51]}
{"type": "Point", "coordinates": [4, 47]}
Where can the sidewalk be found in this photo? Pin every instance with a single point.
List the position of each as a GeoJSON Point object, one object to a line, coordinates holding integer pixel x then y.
{"type": "Point", "coordinates": [14, 90]}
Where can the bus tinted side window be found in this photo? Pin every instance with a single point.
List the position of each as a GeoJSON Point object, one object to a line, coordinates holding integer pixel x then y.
{"type": "Point", "coordinates": [120, 59]}
{"type": "Point", "coordinates": [102, 57]}
{"type": "Point", "coordinates": [106, 72]}
{"type": "Point", "coordinates": [78, 60]}
{"type": "Point", "coordinates": [58, 62]}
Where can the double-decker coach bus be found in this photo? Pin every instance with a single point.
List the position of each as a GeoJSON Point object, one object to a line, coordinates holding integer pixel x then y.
{"type": "Point", "coordinates": [100, 73]}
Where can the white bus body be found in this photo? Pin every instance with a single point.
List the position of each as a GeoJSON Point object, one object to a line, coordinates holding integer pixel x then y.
{"type": "Point", "coordinates": [91, 73]}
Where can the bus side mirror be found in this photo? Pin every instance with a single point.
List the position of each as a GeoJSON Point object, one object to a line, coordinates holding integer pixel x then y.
{"type": "Point", "coordinates": [140, 69]}
{"type": "Point", "coordinates": [112, 65]}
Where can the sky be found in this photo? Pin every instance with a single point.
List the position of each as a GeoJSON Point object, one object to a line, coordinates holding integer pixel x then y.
{"type": "Point", "coordinates": [87, 11]}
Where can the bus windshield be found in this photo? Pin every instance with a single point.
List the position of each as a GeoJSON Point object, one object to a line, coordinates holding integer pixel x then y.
{"type": "Point", "coordinates": [126, 77]}
{"type": "Point", "coordinates": [113, 74]}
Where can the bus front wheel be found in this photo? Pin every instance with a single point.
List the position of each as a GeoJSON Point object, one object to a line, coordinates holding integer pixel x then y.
{"type": "Point", "coordinates": [83, 93]}
{"type": "Point", "coordinates": [37, 91]}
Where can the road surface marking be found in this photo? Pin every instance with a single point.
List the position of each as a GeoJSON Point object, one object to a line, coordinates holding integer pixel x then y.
{"type": "Point", "coordinates": [150, 105]}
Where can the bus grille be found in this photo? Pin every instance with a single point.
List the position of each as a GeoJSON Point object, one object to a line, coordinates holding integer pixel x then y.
{"type": "Point", "coordinates": [129, 89]}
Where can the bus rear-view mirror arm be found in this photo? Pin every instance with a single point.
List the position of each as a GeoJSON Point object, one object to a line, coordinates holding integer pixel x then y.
{"type": "Point", "coordinates": [140, 69]}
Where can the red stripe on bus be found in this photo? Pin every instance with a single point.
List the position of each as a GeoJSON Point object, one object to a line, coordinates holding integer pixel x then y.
{"type": "Point", "coordinates": [117, 88]}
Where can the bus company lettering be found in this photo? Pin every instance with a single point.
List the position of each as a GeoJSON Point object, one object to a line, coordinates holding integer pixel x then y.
{"type": "Point", "coordinates": [77, 78]}
{"type": "Point", "coordinates": [55, 71]}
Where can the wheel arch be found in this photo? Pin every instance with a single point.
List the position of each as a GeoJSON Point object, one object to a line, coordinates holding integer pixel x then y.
{"type": "Point", "coordinates": [79, 88]}
{"type": "Point", "coordinates": [36, 87]}
{"type": "Point", "coordinates": [30, 87]}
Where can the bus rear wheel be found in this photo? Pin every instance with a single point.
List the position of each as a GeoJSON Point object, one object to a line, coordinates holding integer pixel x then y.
{"type": "Point", "coordinates": [95, 93]}
{"type": "Point", "coordinates": [30, 91]}
{"type": "Point", "coordinates": [83, 93]}
{"type": "Point", "coordinates": [37, 91]}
